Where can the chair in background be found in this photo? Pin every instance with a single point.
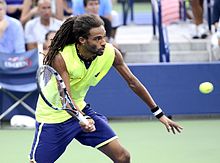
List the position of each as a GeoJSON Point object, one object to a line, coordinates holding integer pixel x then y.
{"type": "Point", "coordinates": [17, 81]}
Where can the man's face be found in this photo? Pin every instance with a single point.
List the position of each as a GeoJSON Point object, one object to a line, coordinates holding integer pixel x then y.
{"type": "Point", "coordinates": [2, 11]}
{"type": "Point", "coordinates": [44, 9]}
{"type": "Point", "coordinates": [49, 39]}
{"type": "Point", "coordinates": [92, 7]}
{"type": "Point", "coordinates": [96, 41]}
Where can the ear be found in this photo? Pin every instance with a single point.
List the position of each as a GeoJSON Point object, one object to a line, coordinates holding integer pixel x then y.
{"type": "Point", "coordinates": [82, 40]}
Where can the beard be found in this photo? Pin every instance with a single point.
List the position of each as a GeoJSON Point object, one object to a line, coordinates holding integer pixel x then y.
{"type": "Point", "coordinates": [93, 49]}
{"type": "Point", "coordinates": [100, 52]}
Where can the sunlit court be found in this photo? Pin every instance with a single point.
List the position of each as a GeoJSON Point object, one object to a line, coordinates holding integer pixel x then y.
{"type": "Point", "coordinates": [147, 141]}
{"type": "Point", "coordinates": [163, 78]}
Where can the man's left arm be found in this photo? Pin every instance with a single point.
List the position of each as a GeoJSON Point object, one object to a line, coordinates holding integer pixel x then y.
{"type": "Point", "coordinates": [143, 93]}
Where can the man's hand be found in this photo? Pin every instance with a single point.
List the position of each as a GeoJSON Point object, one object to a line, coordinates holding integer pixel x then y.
{"type": "Point", "coordinates": [170, 125]}
{"type": "Point", "coordinates": [90, 127]}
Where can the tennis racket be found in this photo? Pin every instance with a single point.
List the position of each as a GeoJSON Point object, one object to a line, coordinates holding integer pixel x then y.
{"type": "Point", "coordinates": [54, 93]}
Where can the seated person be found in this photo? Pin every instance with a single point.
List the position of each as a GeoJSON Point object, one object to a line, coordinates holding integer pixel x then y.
{"type": "Point", "coordinates": [44, 47]}
{"type": "Point", "coordinates": [30, 10]}
{"type": "Point", "coordinates": [105, 10]}
{"type": "Point", "coordinates": [48, 37]}
{"type": "Point", "coordinates": [11, 32]}
{"type": "Point", "coordinates": [92, 7]}
{"type": "Point", "coordinates": [67, 6]}
{"type": "Point", "coordinates": [36, 29]}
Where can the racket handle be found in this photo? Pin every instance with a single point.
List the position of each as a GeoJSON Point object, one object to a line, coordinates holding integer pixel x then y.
{"type": "Point", "coordinates": [82, 119]}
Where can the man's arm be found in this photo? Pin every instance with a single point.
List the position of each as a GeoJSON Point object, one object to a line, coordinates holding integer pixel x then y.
{"type": "Point", "coordinates": [132, 81]}
{"type": "Point", "coordinates": [60, 66]}
{"type": "Point", "coordinates": [141, 91]}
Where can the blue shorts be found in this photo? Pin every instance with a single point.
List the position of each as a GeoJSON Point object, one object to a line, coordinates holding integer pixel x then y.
{"type": "Point", "coordinates": [51, 140]}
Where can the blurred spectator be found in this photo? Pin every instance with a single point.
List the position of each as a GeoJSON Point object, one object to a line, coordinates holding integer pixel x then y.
{"type": "Point", "coordinates": [92, 7]}
{"type": "Point", "coordinates": [116, 22]}
{"type": "Point", "coordinates": [170, 11]}
{"type": "Point", "coordinates": [215, 43]}
{"type": "Point", "coordinates": [14, 8]}
{"type": "Point", "coordinates": [105, 10]}
{"type": "Point", "coordinates": [30, 10]}
{"type": "Point", "coordinates": [48, 38]}
{"type": "Point", "coordinates": [58, 9]}
{"type": "Point", "coordinates": [36, 29]}
{"type": "Point", "coordinates": [216, 13]}
{"type": "Point", "coordinates": [215, 39]}
{"type": "Point", "coordinates": [44, 47]}
{"type": "Point", "coordinates": [67, 6]}
{"type": "Point", "coordinates": [11, 32]}
{"type": "Point", "coordinates": [200, 29]}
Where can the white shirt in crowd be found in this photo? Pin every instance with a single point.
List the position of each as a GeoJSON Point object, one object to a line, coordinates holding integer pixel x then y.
{"type": "Point", "coordinates": [35, 31]}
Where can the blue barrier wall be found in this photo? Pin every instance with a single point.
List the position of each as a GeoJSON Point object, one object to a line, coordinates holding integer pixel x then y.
{"type": "Point", "coordinates": [173, 86]}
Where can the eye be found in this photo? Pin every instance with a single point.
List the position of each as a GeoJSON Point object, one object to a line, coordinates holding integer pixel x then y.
{"type": "Point", "coordinates": [98, 38]}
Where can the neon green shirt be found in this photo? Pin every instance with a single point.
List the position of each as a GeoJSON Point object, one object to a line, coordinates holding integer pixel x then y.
{"type": "Point", "coordinates": [80, 81]}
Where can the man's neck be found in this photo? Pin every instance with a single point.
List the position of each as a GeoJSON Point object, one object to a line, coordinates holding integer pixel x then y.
{"type": "Point", "coordinates": [83, 54]}
{"type": "Point", "coordinates": [45, 22]}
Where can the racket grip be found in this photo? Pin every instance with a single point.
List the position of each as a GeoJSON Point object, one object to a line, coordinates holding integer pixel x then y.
{"type": "Point", "coordinates": [82, 119]}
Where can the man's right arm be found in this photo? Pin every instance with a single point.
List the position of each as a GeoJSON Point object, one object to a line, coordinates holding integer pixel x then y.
{"type": "Point", "coordinates": [60, 66]}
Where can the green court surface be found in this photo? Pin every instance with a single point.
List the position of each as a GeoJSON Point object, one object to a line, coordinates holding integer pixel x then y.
{"type": "Point", "coordinates": [147, 141]}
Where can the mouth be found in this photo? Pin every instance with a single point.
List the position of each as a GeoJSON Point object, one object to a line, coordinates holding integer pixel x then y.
{"type": "Point", "coordinates": [100, 51]}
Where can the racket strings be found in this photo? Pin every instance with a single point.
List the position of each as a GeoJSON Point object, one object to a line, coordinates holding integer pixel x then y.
{"type": "Point", "coordinates": [52, 89]}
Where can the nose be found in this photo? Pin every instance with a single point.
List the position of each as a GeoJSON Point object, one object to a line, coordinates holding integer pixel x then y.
{"type": "Point", "coordinates": [103, 41]}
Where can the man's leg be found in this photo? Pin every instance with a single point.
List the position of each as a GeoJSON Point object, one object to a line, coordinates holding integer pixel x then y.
{"type": "Point", "coordinates": [116, 152]}
{"type": "Point", "coordinates": [51, 140]}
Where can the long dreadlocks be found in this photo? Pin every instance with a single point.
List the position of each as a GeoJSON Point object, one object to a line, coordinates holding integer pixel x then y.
{"type": "Point", "coordinates": [69, 33]}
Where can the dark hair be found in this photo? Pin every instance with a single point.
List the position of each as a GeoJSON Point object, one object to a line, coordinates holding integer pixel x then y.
{"type": "Point", "coordinates": [85, 2]}
{"type": "Point", "coordinates": [70, 32]}
{"type": "Point", "coordinates": [48, 33]}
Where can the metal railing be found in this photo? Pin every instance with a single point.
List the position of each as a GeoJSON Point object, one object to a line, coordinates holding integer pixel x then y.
{"type": "Point", "coordinates": [164, 50]}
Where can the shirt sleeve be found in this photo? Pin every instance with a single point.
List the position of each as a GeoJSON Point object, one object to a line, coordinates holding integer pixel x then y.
{"type": "Point", "coordinates": [78, 7]}
{"type": "Point", "coordinates": [28, 33]}
{"type": "Point", "coordinates": [105, 8]}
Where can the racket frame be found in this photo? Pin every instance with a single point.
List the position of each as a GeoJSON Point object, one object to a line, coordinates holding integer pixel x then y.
{"type": "Point", "coordinates": [72, 110]}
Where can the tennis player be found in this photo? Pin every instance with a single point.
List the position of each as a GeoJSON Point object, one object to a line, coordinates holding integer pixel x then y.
{"type": "Point", "coordinates": [82, 57]}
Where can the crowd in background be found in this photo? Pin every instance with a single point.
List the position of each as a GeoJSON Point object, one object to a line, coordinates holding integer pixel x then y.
{"type": "Point", "coordinates": [24, 24]}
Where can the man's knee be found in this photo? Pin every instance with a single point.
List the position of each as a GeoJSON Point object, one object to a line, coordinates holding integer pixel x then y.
{"type": "Point", "coordinates": [124, 157]}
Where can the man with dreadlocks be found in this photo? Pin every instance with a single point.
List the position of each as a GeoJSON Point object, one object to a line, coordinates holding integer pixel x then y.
{"type": "Point", "coordinates": [82, 57]}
